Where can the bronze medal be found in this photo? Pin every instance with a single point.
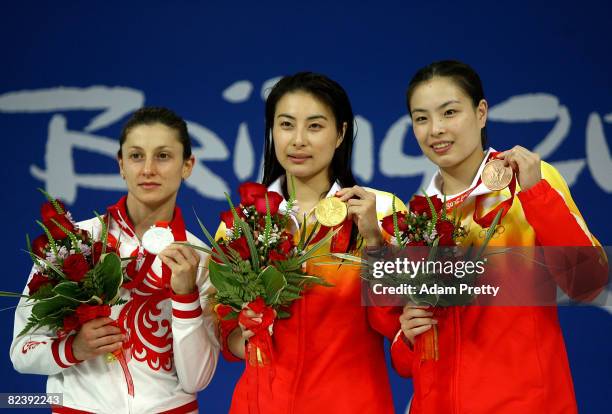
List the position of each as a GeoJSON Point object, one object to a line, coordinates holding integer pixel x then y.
{"type": "Point", "coordinates": [496, 176]}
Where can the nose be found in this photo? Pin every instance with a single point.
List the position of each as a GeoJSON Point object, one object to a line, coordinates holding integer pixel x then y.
{"type": "Point", "coordinates": [300, 139]}
{"type": "Point", "coordinates": [149, 167]}
{"type": "Point", "coordinates": [437, 127]}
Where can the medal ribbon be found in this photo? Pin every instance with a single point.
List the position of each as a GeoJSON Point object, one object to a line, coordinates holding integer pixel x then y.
{"type": "Point", "coordinates": [485, 220]}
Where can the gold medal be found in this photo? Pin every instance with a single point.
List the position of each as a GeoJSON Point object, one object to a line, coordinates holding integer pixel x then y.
{"type": "Point", "coordinates": [331, 211]}
{"type": "Point", "coordinates": [496, 176]}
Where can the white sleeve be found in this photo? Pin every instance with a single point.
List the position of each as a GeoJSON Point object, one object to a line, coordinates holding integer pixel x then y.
{"type": "Point", "coordinates": [195, 345]}
{"type": "Point", "coordinates": [39, 352]}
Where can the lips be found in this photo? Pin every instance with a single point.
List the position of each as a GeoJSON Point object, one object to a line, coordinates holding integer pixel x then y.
{"type": "Point", "coordinates": [298, 158]}
{"type": "Point", "coordinates": [149, 186]}
{"type": "Point", "coordinates": [441, 147]}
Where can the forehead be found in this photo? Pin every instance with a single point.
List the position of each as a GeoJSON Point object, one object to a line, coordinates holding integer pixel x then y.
{"type": "Point", "coordinates": [152, 136]}
{"type": "Point", "coordinates": [301, 103]}
{"type": "Point", "coordinates": [436, 91]}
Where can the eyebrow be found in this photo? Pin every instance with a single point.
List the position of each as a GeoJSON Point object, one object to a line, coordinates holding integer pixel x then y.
{"type": "Point", "coordinates": [157, 148]}
{"type": "Point", "coordinates": [310, 118]}
{"type": "Point", "coordinates": [439, 107]}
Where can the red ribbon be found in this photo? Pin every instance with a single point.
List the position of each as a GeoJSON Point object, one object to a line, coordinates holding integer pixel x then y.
{"type": "Point", "coordinates": [258, 349]}
{"type": "Point", "coordinates": [487, 219]}
{"type": "Point", "coordinates": [340, 241]}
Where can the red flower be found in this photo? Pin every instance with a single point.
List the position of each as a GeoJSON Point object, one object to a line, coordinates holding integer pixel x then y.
{"type": "Point", "coordinates": [274, 200]}
{"type": "Point", "coordinates": [56, 232]}
{"type": "Point", "coordinates": [402, 223]}
{"type": "Point", "coordinates": [228, 218]}
{"type": "Point", "coordinates": [419, 205]}
{"type": "Point", "coordinates": [445, 230]}
{"type": "Point", "coordinates": [37, 281]}
{"type": "Point", "coordinates": [75, 267]}
{"type": "Point", "coordinates": [47, 211]}
{"type": "Point", "coordinates": [275, 256]}
{"type": "Point", "coordinates": [249, 191]}
{"type": "Point", "coordinates": [286, 246]}
{"type": "Point", "coordinates": [39, 245]}
{"type": "Point", "coordinates": [96, 251]}
{"type": "Point", "coordinates": [242, 247]}
{"type": "Point", "coordinates": [71, 322]}
{"type": "Point", "coordinates": [417, 243]}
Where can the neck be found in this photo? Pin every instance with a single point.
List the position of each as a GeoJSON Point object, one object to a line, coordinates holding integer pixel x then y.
{"type": "Point", "coordinates": [308, 191]}
{"type": "Point", "coordinates": [143, 216]}
{"type": "Point", "coordinates": [459, 177]}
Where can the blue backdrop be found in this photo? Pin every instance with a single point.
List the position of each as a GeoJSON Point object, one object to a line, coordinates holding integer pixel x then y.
{"type": "Point", "coordinates": [72, 73]}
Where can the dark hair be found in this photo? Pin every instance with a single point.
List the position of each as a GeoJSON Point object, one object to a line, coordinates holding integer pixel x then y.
{"type": "Point", "coordinates": [152, 115]}
{"type": "Point", "coordinates": [331, 94]}
{"type": "Point", "coordinates": [462, 74]}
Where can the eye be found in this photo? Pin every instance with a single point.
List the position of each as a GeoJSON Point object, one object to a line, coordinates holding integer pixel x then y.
{"type": "Point", "coordinates": [286, 124]}
{"type": "Point", "coordinates": [135, 156]}
{"type": "Point", "coordinates": [450, 112]}
{"type": "Point", "coordinates": [315, 126]}
{"type": "Point", "coordinates": [163, 156]}
{"type": "Point", "coordinates": [420, 119]}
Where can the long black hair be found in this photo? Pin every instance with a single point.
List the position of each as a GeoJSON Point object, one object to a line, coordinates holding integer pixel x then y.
{"type": "Point", "coordinates": [331, 94]}
{"type": "Point", "coordinates": [461, 74]}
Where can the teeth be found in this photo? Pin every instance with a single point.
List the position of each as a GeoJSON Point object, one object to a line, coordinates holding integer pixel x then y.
{"type": "Point", "coordinates": [441, 145]}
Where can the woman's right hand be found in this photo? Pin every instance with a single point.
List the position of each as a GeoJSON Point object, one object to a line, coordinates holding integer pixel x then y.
{"type": "Point", "coordinates": [97, 337]}
{"type": "Point", "coordinates": [415, 320]}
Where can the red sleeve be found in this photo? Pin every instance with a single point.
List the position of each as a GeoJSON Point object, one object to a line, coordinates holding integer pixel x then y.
{"type": "Point", "coordinates": [578, 266]}
{"type": "Point", "coordinates": [385, 319]}
{"type": "Point", "coordinates": [226, 326]}
{"type": "Point", "coordinates": [551, 219]}
{"type": "Point", "coordinates": [402, 355]}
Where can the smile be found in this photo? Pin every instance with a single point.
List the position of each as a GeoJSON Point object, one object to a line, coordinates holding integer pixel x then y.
{"type": "Point", "coordinates": [441, 147]}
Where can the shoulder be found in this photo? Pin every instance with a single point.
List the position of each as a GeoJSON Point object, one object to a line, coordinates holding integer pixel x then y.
{"type": "Point", "coordinates": [385, 201]}
{"type": "Point", "coordinates": [553, 177]}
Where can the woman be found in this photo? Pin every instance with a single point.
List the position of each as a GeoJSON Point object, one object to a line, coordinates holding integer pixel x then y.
{"type": "Point", "coordinates": [169, 343]}
{"type": "Point", "coordinates": [328, 356]}
{"type": "Point", "coordinates": [492, 359]}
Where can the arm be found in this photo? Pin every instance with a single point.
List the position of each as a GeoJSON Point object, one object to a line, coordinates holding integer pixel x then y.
{"type": "Point", "coordinates": [550, 210]}
{"type": "Point", "coordinates": [195, 346]}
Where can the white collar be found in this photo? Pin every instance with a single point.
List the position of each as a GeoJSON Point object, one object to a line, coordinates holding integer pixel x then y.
{"type": "Point", "coordinates": [277, 186]}
{"type": "Point", "coordinates": [435, 186]}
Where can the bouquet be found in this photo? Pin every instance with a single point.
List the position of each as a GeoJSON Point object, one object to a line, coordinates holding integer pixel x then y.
{"type": "Point", "coordinates": [427, 229]}
{"type": "Point", "coordinates": [258, 265]}
{"type": "Point", "coordinates": [76, 277]}
{"type": "Point", "coordinates": [427, 224]}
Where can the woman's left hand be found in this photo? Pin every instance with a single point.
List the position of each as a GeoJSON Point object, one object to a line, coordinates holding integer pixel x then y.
{"type": "Point", "coordinates": [183, 261]}
{"type": "Point", "coordinates": [526, 165]}
{"type": "Point", "coordinates": [362, 209]}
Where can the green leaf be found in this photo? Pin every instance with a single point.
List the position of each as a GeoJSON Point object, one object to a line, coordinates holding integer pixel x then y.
{"type": "Point", "coordinates": [274, 282]}
{"type": "Point", "coordinates": [221, 276]}
{"type": "Point", "coordinates": [281, 314]}
{"type": "Point", "coordinates": [251, 243]}
{"type": "Point", "coordinates": [212, 240]}
{"type": "Point", "coordinates": [70, 290]}
{"type": "Point", "coordinates": [489, 234]}
{"type": "Point", "coordinates": [109, 275]}
{"type": "Point", "coordinates": [48, 307]}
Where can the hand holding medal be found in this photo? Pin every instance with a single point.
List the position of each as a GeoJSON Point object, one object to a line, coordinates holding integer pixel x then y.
{"type": "Point", "coordinates": [361, 207]}
{"type": "Point", "coordinates": [182, 260]}
{"type": "Point", "coordinates": [524, 163]}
